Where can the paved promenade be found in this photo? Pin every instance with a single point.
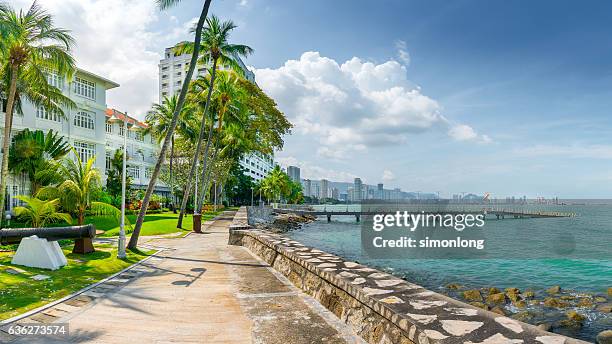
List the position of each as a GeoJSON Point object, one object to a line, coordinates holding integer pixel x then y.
{"type": "Point", "coordinates": [198, 290]}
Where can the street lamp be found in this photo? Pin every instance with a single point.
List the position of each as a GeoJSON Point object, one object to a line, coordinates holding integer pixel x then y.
{"type": "Point", "coordinates": [121, 249]}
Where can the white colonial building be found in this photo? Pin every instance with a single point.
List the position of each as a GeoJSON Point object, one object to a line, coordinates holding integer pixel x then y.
{"type": "Point", "coordinates": [85, 127]}
{"type": "Point", "coordinates": [172, 72]}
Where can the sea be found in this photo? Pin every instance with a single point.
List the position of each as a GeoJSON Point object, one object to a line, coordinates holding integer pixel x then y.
{"type": "Point", "coordinates": [593, 220]}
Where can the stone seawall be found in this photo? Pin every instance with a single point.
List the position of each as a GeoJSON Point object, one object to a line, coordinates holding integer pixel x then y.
{"type": "Point", "coordinates": [380, 307]}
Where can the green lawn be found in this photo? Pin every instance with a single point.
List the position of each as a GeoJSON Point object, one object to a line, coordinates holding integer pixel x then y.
{"type": "Point", "coordinates": [154, 224]}
{"type": "Point", "coordinates": [19, 293]}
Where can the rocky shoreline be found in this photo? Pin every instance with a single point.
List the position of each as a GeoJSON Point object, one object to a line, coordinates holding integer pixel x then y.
{"type": "Point", "coordinates": [282, 223]}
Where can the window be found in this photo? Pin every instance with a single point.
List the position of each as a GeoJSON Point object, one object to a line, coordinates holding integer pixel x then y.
{"type": "Point", "coordinates": [164, 94]}
{"type": "Point", "coordinates": [108, 161]}
{"type": "Point", "coordinates": [45, 114]}
{"type": "Point", "coordinates": [165, 76]}
{"type": "Point", "coordinates": [109, 127]}
{"type": "Point", "coordinates": [84, 119]}
{"type": "Point", "coordinates": [139, 136]}
{"type": "Point", "coordinates": [148, 172]}
{"type": "Point", "coordinates": [55, 80]}
{"type": "Point", "coordinates": [134, 172]}
{"type": "Point", "coordinates": [165, 84]}
{"type": "Point", "coordinates": [84, 88]}
{"type": "Point", "coordinates": [84, 150]}
{"type": "Point", "coordinates": [164, 68]}
{"type": "Point", "coordinates": [121, 130]}
{"type": "Point", "coordinates": [178, 74]}
{"type": "Point", "coordinates": [177, 66]}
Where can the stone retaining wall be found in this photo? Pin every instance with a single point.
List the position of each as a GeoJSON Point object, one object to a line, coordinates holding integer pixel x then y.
{"type": "Point", "coordinates": [380, 307]}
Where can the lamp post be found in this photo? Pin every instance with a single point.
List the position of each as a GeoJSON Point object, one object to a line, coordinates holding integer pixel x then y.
{"type": "Point", "coordinates": [121, 245]}
{"type": "Point", "coordinates": [251, 196]}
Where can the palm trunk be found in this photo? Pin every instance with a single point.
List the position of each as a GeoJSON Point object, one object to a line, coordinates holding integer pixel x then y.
{"type": "Point", "coordinates": [162, 154]}
{"type": "Point", "coordinates": [171, 183]}
{"type": "Point", "coordinates": [199, 202]}
{"type": "Point", "coordinates": [8, 123]}
{"type": "Point", "coordinates": [194, 163]}
{"type": "Point", "coordinates": [206, 180]}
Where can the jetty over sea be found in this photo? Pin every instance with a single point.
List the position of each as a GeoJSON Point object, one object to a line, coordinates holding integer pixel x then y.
{"type": "Point", "coordinates": [370, 210]}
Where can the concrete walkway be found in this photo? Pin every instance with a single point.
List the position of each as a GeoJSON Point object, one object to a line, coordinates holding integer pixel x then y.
{"type": "Point", "coordinates": [198, 290]}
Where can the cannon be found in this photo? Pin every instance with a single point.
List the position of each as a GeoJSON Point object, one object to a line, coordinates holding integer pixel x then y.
{"type": "Point", "coordinates": [82, 235]}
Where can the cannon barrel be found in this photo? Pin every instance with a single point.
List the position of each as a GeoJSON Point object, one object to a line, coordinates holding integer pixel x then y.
{"type": "Point", "coordinates": [14, 235]}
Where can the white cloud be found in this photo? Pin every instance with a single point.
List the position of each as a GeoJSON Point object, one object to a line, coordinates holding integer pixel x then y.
{"type": "Point", "coordinates": [350, 106]}
{"type": "Point", "coordinates": [388, 176]}
{"type": "Point", "coordinates": [116, 39]}
{"type": "Point", "coordinates": [402, 52]}
{"type": "Point", "coordinates": [315, 172]}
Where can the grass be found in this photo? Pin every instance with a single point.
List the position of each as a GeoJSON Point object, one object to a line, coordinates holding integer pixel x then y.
{"type": "Point", "coordinates": [154, 224]}
{"type": "Point", "coordinates": [19, 293]}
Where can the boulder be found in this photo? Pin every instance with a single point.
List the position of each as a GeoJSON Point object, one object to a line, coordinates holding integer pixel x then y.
{"type": "Point", "coordinates": [600, 299]}
{"type": "Point", "coordinates": [514, 297]}
{"type": "Point", "coordinates": [605, 307]}
{"type": "Point", "coordinates": [529, 294]}
{"type": "Point", "coordinates": [472, 295]}
{"type": "Point", "coordinates": [554, 290]}
{"type": "Point", "coordinates": [519, 304]}
{"type": "Point", "coordinates": [567, 297]}
{"type": "Point", "coordinates": [498, 298]}
{"type": "Point", "coordinates": [522, 316]}
{"type": "Point", "coordinates": [454, 286]}
{"type": "Point", "coordinates": [574, 320]}
{"type": "Point", "coordinates": [555, 303]}
{"type": "Point", "coordinates": [494, 290]}
{"type": "Point", "coordinates": [512, 291]}
{"type": "Point", "coordinates": [585, 302]}
{"type": "Point", "coordinates": [499, 310]}
{"type": "Point", "coordinates": [480, 305]}
{"type": "Point", "coordinates": [544, 326]}
{"type": "Point", "coordinates": [604, 337]}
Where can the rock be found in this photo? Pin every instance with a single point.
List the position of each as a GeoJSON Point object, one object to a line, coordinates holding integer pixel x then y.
{"type": "Point", "coordinates": [480, 305]}
{"type": "Point", "coordinates": [605, 308]}
{"type": "Point", "coordinates": [605, 337]}
{"type": "Point", "coordinates": [567, 297]}
{"type": "Point", "coordinates": [499, 310]}
{"type": "Point", "coordinates": [494, 290]}
{"type": "Point", "coordinates": [498, 298]}
{"type": "Point", "coordinates": [454, 286]}
{"type": "Point", "coordinates": [544, 326]}
{"type": "Point", "coordinates": [519, 304]}
{"type": "Point", "coordinates": [40, 277]}
{"type": "Point", "coordinates": [529, 294]}
{"type": "Point", "coordinates": [512, 291]}
{"type": "Point", "coordinates": [555, 303]}
{"type": "Point", "coordinates": [600, 299]}
{"type": "Point", "coordinates": [554, 290]}
{"type": "Point", "coordinates": [585, 302]}
{"type": "Point", "coordinates": [522, 316]}
{"type": "Point", "coordinates": [574, 320]}
{"type": "Point", "coordinates": [514, 297]}
{"type": "Point", "coordinates": [472, 295]}
{"type": "Point", "coordinates": [610, 291]}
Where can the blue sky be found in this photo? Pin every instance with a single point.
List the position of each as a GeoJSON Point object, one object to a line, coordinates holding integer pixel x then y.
{"type": "Point", "coordinates": [507, 97]}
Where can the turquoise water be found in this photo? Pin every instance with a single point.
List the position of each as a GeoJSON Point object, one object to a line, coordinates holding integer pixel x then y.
{"type": "Point", "coordinates": [342, 237]}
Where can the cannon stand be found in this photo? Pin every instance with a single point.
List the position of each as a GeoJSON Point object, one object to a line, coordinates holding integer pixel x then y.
{"type": "Point", "coordinates": [83, 246]}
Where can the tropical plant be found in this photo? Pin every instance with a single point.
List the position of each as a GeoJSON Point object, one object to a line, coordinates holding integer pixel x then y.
{"type": "Point", "coordinates": [75, 192]}
{"type": "Point", "coordinates": [39, 213]}
{"type": "Point", "coordinates": [216, 49]}
{"type": "Point", "coordinates": [36, 153]}
{"type": "Point", "coordinates": [31, 47]}
{"type": "Point", "coordinates": [164, 4]}
{"type": "Point", "coordinates": [239, 186]}
{"type": "Point", "coordinates": [114, 179]}
{"type": "Point", "coordinates": [159, 120]}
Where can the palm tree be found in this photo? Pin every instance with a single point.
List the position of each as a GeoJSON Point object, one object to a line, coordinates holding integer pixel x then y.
{"type": "Point", "coordinates": [30, 48]}
{"type": "Point", "coordinates": [160, 119]}
{"type": "Point", "coordinates": [75, 191]}
{"type": "Point", "coordinates": [39, 213]}
{"type": "Point", "coordinates": [164, 4]}
{"type": "Point", "coordinates": [217, 50]}
{"type": "Point", "coordinates": [35, 153]}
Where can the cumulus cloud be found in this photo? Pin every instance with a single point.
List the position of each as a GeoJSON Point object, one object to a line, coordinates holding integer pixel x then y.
{"type": "Point", "coordinates": [315, 172]}
{"type": "Point", "coordinates": [388, 176]}
{"type": "Point", "coordinates": [353, 105]}
{"type": "Point", "coordinates": [116, 39]}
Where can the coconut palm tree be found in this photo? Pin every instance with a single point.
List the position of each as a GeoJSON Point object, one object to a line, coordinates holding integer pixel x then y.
{"type": "Point", "coordinates": [216, 49]}
{"type": "Point", "coordinates": [31, 47]}
{"type": "Point", "coordinates": [164, 4]}
{"type": "Point", "coordinates": [36, 153]}
{"type": "Point", "coordinates": [160, 119]}
{"type": "Point", "coordinates": [75, 191]}
{"type": "Point", "coordinates": [39, 213]}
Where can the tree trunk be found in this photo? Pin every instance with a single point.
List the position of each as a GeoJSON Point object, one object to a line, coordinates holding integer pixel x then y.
{"type": "Point", "coordinates": [171, 184]}
{"type": "Point", "coordinates": [6, 141]}
{"type": "Point", "coordinates": [199, 202]}
{"type": "Point", "coordinates": [162, 154]}
{"type": "Point", "coordinates": [206, 175]}
{"type": "Point", "coordinates": [194, 163]}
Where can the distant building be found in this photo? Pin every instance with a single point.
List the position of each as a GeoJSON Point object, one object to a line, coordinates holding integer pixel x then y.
{"type": "Point", "coordinates": [324, 188]}
{"type": "Point", "coordinates": [335, 193]}
{"type": "Point", "coordinates": [358, 190]}
{"type": "Point", "coordinates": [294, 173]}
{"type": "Point", "coordinates": [380, 193]}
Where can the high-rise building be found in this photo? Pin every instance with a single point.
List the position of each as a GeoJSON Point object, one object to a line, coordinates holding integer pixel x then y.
{"type": "Point", "coordinates": [172, 71]}
{"type": "Point", "coordinates": [294, 173]}
{"type": "Point", "coordinates": [307, 187]}
{"type": "Point", "coordinates": [358, 190]}
{"type": "Point", "coordinates": [380, 193]}
{"type": "Point", "coordinates": [324, 188]}
{"type": "Point", "coordinates": [335, 193]}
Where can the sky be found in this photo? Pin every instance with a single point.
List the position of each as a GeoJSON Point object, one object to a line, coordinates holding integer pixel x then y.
{"type": "Point", "coordinates": [507, 97]}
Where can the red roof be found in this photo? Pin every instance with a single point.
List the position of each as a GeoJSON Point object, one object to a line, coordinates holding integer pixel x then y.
{"type": "Point", "coordinates": [121, 116]}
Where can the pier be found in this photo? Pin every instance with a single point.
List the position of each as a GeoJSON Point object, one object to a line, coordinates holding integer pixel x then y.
{"type": "Point", "coordinates": [496, 213]}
